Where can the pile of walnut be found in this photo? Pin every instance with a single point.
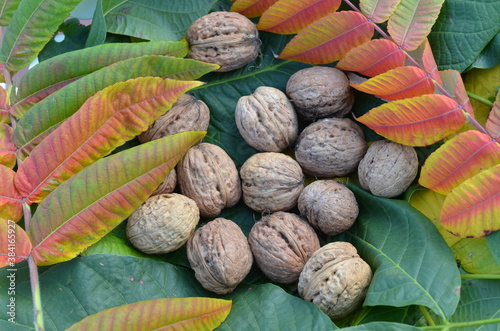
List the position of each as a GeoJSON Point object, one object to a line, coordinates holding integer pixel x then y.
{"type": "Point", "coordinates": [284, 243]}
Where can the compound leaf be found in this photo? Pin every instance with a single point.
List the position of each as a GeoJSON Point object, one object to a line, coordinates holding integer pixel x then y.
{"type": "Point", "coordinates": [15, 245]}
{"type": "Point", "coordinates": [454, 85]}
{"type": "Point", "coordinates": [11, 205]}
{"type": "Point", "coordinates": [378, 11]}
{"type": "Point", "coordinates": [251, 8]}
{"type": "Point", "coordinates": [7, 147]}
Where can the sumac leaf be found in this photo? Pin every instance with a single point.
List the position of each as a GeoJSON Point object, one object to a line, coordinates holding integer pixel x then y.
{"type": "Point", "coordinates": [454, 85]}
{"type": "Point", "coordinates": [425, 58]}
{"type": "Point", "coordinates": [4, 105]}
{"type": "Point", "coordinates": [251, 8]}
{"type": "Point", "coordinates": [7, 147]}
{"type": "Point", "coordinates": [378, 11]}
{"type": "Point", "coordinates": [11, 205]}
{"type": "Point", "coordinates": [15, 245]}
{"type": "Point", "coordinates": [7, 9]}
{"type": "Point", "coordinates": [493, 121]}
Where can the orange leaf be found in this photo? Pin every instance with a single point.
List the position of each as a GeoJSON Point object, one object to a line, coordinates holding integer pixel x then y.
{"type": "Point", "coordinates": [460, 158]}
{"type": "Point", "coordinates": [291, 16]}
{"type": "Point", "coordinates": [378, 11]}
{"type": "Point", "coordinates": [473, 208]}
{"type": "Point", "coordinates": [7, 147]}
{"type": "Point", "coordinates": [493, 122]}
{"type": "Point", "coordinates": [399, 83]}
{"type": "Point", "coordinates": [15, 245]}
{"type": "Point", "coordinates": [419, 121]}
{"type": "Point", "coordinates": [4, 106]}
{"type": "Point", "coordinates": [454, 85]}
{"type": "Point", "coordinates": [11, 205]}
{"type": "Point", "coordinates": [251, 8]}
{"type": "Point", "coordinates": [329, 38]}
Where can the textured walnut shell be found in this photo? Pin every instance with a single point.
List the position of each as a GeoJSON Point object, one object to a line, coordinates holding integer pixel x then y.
{"type": "Point", "coordinates": [209, 176]}
{"type": "Point", "coordinates": [319, 92]}
{"type": "Point", "coordinates": [336, 279]}
{"type": "Point", "coordinates": [228, 39]}
{"type": "Point", "coordinates": [281, 244]}
{"type": "Point", "coordinates": [271, 182]}
{"type": "Point", "coordinates": [187, 114]}
{"type": "Point", "coordinates": [388, 168]}
{"type": "Point", "coordinates": [329, 206]}
{"type": "Point", "coordinates": [266, 120]}
{"type": "Point", "coordinates": [168, 185]}
{"type": "Point", "coordinates": [163, 223]}
{"type": "Point", "coordinates": [220, 255]}
{"type": "Point", "coordinates": [331, 147]}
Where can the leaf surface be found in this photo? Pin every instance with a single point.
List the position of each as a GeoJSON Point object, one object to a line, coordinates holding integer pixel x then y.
{"type": "Point", "coordinates": [11, 205]}
{"type": "Point", "coordinates": [7, 8]}
{"type": "Point", "coordinates": [329, 38]}
{"type": "Point", "coordinates": [425, 58]}
{"type": "Point", "coordinates": [251, 8]}
{"type": "Point", "coordinates": [378, 11]}
{"type": "Point", "coordinates": [493, 121]}
{"type": "Point", "coordinates": [7, 147]}
{"type": "Point", "coordinates": [4, 105]}
{"type": "Point", "coordinates": [15, 245]}
{"type": "Point", "coordinates": [382, 326]}
{"type": "Point", "coordinates": [454, 85]}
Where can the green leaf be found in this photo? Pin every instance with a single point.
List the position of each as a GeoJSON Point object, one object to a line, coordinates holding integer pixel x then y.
{"type": "Point", "coordinates": [32, 26]}
{"type": "Point", "coordinates": [382, 326]}
{"type": "Point", "coordinates": [489, 56]}
{"type": "Point", "coordinates": [406, 315]}
{"type": "Point", "coordinates": [97, 33]}
{"type": "Point", "coordinates": [493, 241]}
{"type": "Point", "coordinates": [112, 244]}
{"type": "Point", "coordinates": [7, 8]}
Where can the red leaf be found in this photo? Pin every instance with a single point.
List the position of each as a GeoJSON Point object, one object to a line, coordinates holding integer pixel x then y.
{"type": "Point", "coordinates": [4, 105]}
{"type": "Point", "coordinates": [454, 85]}
{"type": "Point", "coordinates": [11, 205]}
{"type": "Point", "coordinates": [7, 147]}
{"type": "Point", "coordinates": [378, 11]}
{"type": "Point", "coordinates": [15, 245]}
{"type": "Point", "coordinates": [329, 38]}
{"type": "Point", "coordinates": [419, 121]}
{"type": "Point", "coordinates": [493, 122]}
{"type": "Point", "coordinates": [251, 8]}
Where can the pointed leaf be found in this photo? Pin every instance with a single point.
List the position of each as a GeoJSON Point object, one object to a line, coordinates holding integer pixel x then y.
{"type": "Point", "coordinates": [15, 245]}
{"type": "Point", "coordinates": [425, 58]}
{"type": "Point", "coordinates": [105, 121]}
{"type": "Point", "coordinates": [473, 208]}
{"type": "Point", "coordinates": [419, 121]}
{"type": "Point", "coordinates": [399, 83]}
{"type": "Point", "coordinates": [57, 72]}
{"type": "Point", "coordinates": [454, 85]}
{"type": "Point", "coordinates": [378, 11]}
{"type": "Point", "coordinates": [11, 205]}
{"type": "Point", "coordinates": [289, 17]}
{"type": "Point", "coordinates": [32, 26]}
{"type": "Point", "coordinates": [329, 38]}
{"type": "Point", "coordinates": [156, 314]}
{"type": "Point", "coordinates": [46, 115]}
{"type": "Point", "coordinates": [493, 121]}
{"type": "Point", "coordinates": [7, 9]}
{"type": "Point", "coordinates": [7, 147]}
{"type": "Point", "coordinates": [412, 22]}
{"type": "Point", "coordinates": [251, 8]}
{"type": "Point", "coordinates": [458, 159]}
{"type": "Point", "coordinates": [4, 105]}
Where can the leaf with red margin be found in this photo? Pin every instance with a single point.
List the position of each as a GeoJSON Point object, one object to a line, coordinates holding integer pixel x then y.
{"type": "Point", "coordinates": [472, 210]}
{"type": "Point", "coordinates": [86, 207]}
{"type": "Point", "coordinates": [4, 105]}
{"type": "Point", "coordinates": [329, 38]}
{"type": "Point", "coordinates": [105, 121]}
{"type": "Point", "coordinates": [11, 205]}
{"type": "Point", "coordinates": [419, 121]}
{"type": "Point", "coordinates": [378, 11]}
{"type": "Point", "coordinates": [454, 85]}
{"type": "Point", "coordinates": [160, 314]}
{"type": "Point", "coordinates": [458, 159]}
{"type": "Point", "coordinates": [251, 8]}
{"type": "Point", "coordinates": [493, 121]}
{"type": "Point", "coordinates": [399, 83]}
{"type": "Point", "coordinates": [412, 22]}
{"type": "Point", "coordinates": [7, 147]}
{"type": "Point", "coordinates": [15, 245]}
{"type": "Point", "coordinates": [373, 58]}
{"type": "Point", "coordinates": [290, 16]}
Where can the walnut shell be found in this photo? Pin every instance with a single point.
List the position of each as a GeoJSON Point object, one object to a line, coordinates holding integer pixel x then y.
{"type": "Point", "coordinates": [220, 255]}
{"type": "Point", "coordinates": [168, 185]}
{"type": "Point", "coordinates": [331, 147]}
{"type": "Point", "coordinates": [228, 39]}
{"type": "Point", "coordinates": [209, 176]}
{"type": "Point", "coordinates": [187, 114]}
{"type": "Point", "coordinates": [336, 279]}
{"type": "Point", "coordinates": [281, 244]}
{"type": "Point", "coordinates": [271, 182]}
{"type": "Point", "coordinates": [388, 168]}
{"type": "Point", "coordinates": [266, 120]}
{"type": "Point", "coordinates": [319, 92]}
{"type": "Point", "coordinates": [163, 223]}
{"type": "Point", "coordinates": [329, 206]}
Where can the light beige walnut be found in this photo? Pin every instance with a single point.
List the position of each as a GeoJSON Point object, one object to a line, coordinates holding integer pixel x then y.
{"type": "Point", "coordinates": [187, 114]}
{"type": "Point", "coordinates": [388, 168]}
{"type": "Point", "coordinates": [336, 279]}
{"type": "Point", "coordinates": [163, 223]}
{"type": "Point", "coordinates": [271, 182]}
{"type": "Point", "coordinates": [209, 176]}
{"type": "Point", "coordinates": [220, 255]}
{"type": "Point", "coordinates": [329, 206]}
{"type": "Point", "coordinates": [331, 147]}
{"type": "Point", "coordinates": [266, 120]}
{"type": "Point", "coordinates": [319, 92]}
{"type": "Point", "coordinates": [228, 39]}
{"type": "Point", "coordinates": [281, 244]}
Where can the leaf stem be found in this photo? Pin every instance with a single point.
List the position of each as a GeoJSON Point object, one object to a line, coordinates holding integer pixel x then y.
{"type": "Point", "coordinates": [480, 276]}
{"type": "Point", "coordinates": [476, 124]}
{"type": "Point", "coordinates": [427, 316]}
{"type": "Point", "coordinates": [461, 324]}
{"type": "Point", "coordinates": [480, 99]}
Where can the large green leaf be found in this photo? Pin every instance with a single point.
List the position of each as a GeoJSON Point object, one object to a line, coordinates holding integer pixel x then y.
{"type": "Point", "coordinates": [7, 8]}
{"type": "Point", "coordinates": [383, 326]}
{"type": "Point", "coordinates": [489, 56]}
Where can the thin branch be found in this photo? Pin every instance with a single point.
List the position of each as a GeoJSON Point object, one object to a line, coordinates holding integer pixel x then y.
{"type": "Point", "coordinates": [480, 99]}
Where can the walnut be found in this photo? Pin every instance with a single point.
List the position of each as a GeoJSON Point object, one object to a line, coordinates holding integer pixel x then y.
{"type": "Point", "coordinates": [336, 279]}
{"type": "Point", "coordinates": [163, 223]}
{"type": "Point", "coordinates": [281, 244]}
{"type": "Point", "coordinates": [220, 255]}
{"type": "Point", "coordinates": [329, 206]}
{"type": "Point", "coordinates": [187, 114]}
{"type": "Point", "coordinates": [319, 92]}
{"type": "Point", "coordinates": [388, 168]}
{"type": "Point", "coordinates": [266, 120]}
{"type": "Point", "coordinates": [168, 185]}
{"type": "Point", "coordinates": [209, 176]}
{"type": "Point", "coordinates": [331, 147]}
{"type": "Point", "coordinates": [271, 182]}
{"type": "Point", "coordinates": [228, 39]}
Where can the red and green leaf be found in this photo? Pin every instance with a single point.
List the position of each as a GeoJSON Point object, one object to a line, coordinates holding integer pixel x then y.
{"type": "Point", "coordinates": [454, 85]}
{"type": "Point", "coordinates": [160, 314]}
{"type": "Point", "coordinates": [4, 105]}
{"type": "Point", "coordinates": [399, 83]}
{"type": "Point", "coordinates": [15, 245]}
{"type": "Point", "coordinates": [412, 22]}
{"type": "Point", "coordinates": [251, 8]}
{"type": "Point", "coordinates": [329, 38]}
{"type": "Point", "coordinates": [7, 148]}
{"type": "Point", "coordinates": [419, 121]}
{"type": "Point", "coordinates": [473, 208]}
{"type": "Point", "coordinates": [493, 122]}
{"type": "Point", "coordinates": [7, 10]}
{"type": "Point", "coordinates": [90, 204]}
{"type": "Point", "coordinates": [460, 158]}
{"type": "Point", "coordinates": [378, 11]}
{"type": "Point", "coordinates": [11, 204]}
{"type": "Point", "coordinates": [289, 16]}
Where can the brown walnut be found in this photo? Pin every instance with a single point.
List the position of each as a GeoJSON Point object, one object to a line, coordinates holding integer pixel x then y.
{"type": "Point", "coordinates": [168, 185]}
